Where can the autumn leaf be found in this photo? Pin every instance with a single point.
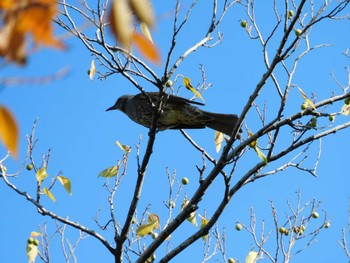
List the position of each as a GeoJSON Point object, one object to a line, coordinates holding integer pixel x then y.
{"type": "Point", "coordinates": [145, 229]}
{"type": "Point", "coordinates": [251, 257]}
{"type": "Point", "coordinates": [145, 30]}
{"type": "Point", "coordinates": [66, 183]}
{"type": "Point", "coordinates": [192, 217]}
{"type": "Point", "coordinates": [9, 131]}
{"type": "Point", "coordinates": [92, 70]}
{"type": "Point", "coordinates": [21, 18]}
{"type": "Point", "coordinates": [41, 174]}
{"type": "Point", "coordinates": [307, 100]}
{"type": "Point", "coordinates": [109, 172]}
{"type": "Point", "coordinates": [219, 136]}
{"type": "Point", "coordinates": [345, 110]}
{"type": "Point", "coordinates": [35, 234]}
{"type": "Point", "coordinates": [143, 11]}
{"type": "Point", "coordinates": [125, 148]}
{"type": "Point", "coordinates": [187, 83]}
{"type": "Point", "coordinates": [32, 252]}
{"type": "Point", "coordinates": [49, 194]}
{"type": "Point", "coordinates": [204, 222]}
{"type": "Point", "coordinates": [254, 145]}
{"type": "Point", "coordinates": [146, 47]}
{"type": "Point", "coordinates": [121, 22]}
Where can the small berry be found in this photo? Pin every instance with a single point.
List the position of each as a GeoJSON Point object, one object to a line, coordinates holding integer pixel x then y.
{"type": "Point", "coordinates": [184, 180]}
{"type": "Point", "coordinates": [327, 225]}
{"type": "Point", "coordinates": [331, 118]}
{"type": "Point", "coordinates": [238, 227]}
{"type": "Point", "coordinates": [169, 83]}
{"type": "Point", "coordinates": [297, 32]}
{"type": "Point", "coordinates": [290, 13]}
{"type": "Point", "coordinates": [231, 260]}
{"type": "Point", "coordinates": [347, 101]}
{"type": "Point", "coordinates": [315, 215]}
{"type": "Point", "coordinates": [29, 167]}
{"type": "Point", "coordinates": [244, 23]}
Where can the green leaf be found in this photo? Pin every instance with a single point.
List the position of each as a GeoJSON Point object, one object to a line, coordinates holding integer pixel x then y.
{"type": "Point", "coordinates": [109, 172]}
{"type": "Point", "coordinates": [41, 174]}
{"type": "Point", "coordinates": [125, 148]}
{"type": "Point", "coordinates": [261, 155]}
{"type": "Point", "coordinates": [49, 194]}
{"type": "Point", "coordinates": [66, 183]}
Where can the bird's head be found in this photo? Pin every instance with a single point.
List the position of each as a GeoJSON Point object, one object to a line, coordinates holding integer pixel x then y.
{"type": "Point", "coordinates": [120, 103]}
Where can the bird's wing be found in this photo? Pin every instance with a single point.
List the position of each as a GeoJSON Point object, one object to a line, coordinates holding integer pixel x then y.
{"type": "Point", "coordinates": [173, 98]}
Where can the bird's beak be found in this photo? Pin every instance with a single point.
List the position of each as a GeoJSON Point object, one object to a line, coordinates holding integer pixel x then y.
{"type": "Point", "coordinates": [111, 108]}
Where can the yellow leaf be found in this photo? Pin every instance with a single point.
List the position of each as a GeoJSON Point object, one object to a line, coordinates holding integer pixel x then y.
{"type": "Point", "coordinates": [49, 194]}
{"type": "Point", "coordinates": [109, 172]}
{"type": "Point", "coordinates": [261, 155]}
{"type": "Point", "coordinates": [192, 217]}
{"type": "Point", "coordinates": [121, 22]}
{"type": "Point", "coordinates": [9, 131]}
{"type": "Point", "coordinates": [219, 136]}
{"type": "Point", "coordinates": [35, 234]}
{"type": "Point", "coordinates": [146, 47]}
{"type": "Point", "coordinates": [187, 83]}
{"type": "Point", "coordinates": [143, 11]}
{"type": "Point", "coordinates": [345, 110]}
{"type": "Point", "coordinates": [145, 31]}
{"type": "Point", "coordinates": [253, 144]}
{"type": "Point", "coordinates": [32, 252]}
{"type": "Point", "coordinates": [204, 222]}
{"type": "Point", "coordinates": [125, 148]}
{"type": "Point", "coordinates": [252, 257]}
{"type": "Point", "coordinates": [41, 174]}
{"type": "Point", "coordinates": [92, 70]}
{"type": "Point", "coordinates": [307, 100]}
{"type": "Point", "coordinates": [145, 229]}
{"type": "Point", "coordinates": [66, 183]}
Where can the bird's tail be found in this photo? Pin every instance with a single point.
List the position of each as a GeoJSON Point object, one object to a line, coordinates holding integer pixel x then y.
{"type": "Point", "coordinates": [221, 122]}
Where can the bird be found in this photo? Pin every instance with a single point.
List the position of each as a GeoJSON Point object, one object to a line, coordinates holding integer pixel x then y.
{"type": "Point", "coordinates": [176, 113]}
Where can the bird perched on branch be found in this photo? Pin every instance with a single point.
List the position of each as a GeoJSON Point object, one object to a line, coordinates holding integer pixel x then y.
{"type": "Point", "coordinates": [176, 113]}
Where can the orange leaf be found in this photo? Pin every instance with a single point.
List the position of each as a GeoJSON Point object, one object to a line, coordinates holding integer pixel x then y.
{"type": "Point", "coordinates": [121, 22]}
{"type": "Point", "coordinates": [146, 47]}
{"type": "Point", "coordinates": [21, 18]}
{"type": "Point", "coordinates": [8, 131]}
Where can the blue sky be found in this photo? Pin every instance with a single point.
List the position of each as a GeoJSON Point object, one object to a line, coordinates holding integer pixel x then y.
{"type": "Point", "coordinates": [72, 122]}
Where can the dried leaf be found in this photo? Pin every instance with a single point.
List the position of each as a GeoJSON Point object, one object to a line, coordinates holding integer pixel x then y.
{"type": "Point", "coordinates": [121, 22]}
{"type": "Point", "coordinates": [49, 194]}
{"type": "Point", "coordinates": [125, 148]}
{"type": "Point", "coordinates": [204, 222]}
{"type": "Point", "coordinates": [219, 137]}
{"type": "Point", "coordinates": [9, 131]}
{"type": "Point", "coordinates": [143, 11]}
{"type": "Point", "coordinates": [252, 257]}
{"type": "Point", "coordinates": [261, 155]}
{"type": "Point", "coordinates": [187, 83]}
{"type": "Point", "coordinates": [35, 234]}
{"type": "Point", "coordinates": [66, 183]}
{"type": "Point", "coordinates": [41, 174]}
{"type": "Point", "coordinates": [307, 100]}
{"type": "Point", "coordinates": [92, 70]}
{"type": "Point", "coordinates": [146, 47]}
{"type": "Point", "coordinates": [109, 172]}
{"type": "Point", "coordinates": [345, 110]}
{"type": "Point", "coordinates": [145, 229]}
{"type": "Point", "coordinates": [21, 18]}
{"type": "Point", "coordinates": [32, 252]}
{"type": "Point", "coordinates": [253, 144]}
{"type": "Point", "coordinates": [146, 32]}
{"type": "Point", "coordinates": [192, 217]}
